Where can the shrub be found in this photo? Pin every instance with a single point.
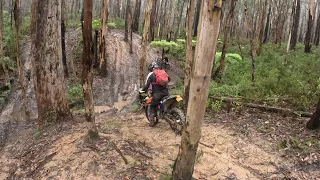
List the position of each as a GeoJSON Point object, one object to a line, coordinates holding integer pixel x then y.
{"type": "Point", "coordinates": [96, 25]}
{"type": "Point", "coordinates": [75, 95]}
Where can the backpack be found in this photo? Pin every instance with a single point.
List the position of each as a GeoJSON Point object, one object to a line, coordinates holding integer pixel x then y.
{"type": "Point", "coordinates": [162, 77]}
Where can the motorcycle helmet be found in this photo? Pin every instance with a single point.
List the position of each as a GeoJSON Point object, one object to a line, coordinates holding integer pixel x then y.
{"type": "Point", "coordinates": [153, 65]}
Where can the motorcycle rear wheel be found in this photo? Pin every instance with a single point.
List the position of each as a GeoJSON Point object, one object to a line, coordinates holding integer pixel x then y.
{"type": "Point", "coordinates": [152, 121]}
{"type": "Point", "coordinates": [179, 119]}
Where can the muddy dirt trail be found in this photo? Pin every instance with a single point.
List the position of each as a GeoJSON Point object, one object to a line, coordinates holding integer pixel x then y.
{"type": "Point", "coordinates": [128, 148]}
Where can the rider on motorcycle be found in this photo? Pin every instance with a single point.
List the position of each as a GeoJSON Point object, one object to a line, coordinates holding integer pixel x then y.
{"type": "Point", "coordinates": [156, 79]}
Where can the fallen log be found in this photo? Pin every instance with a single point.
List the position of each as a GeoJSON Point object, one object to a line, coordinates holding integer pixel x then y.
{"type": "Point", "coordinates": [265, 108]}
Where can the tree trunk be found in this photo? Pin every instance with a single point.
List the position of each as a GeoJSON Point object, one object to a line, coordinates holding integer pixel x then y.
{"type": "Point", "coordinates": [130, 30]}
{"type": "Point", "coordinates": [307, 44]}
{"type": "Point", "coordinates": [117, 9]}
{"type": "Point", "coordinates": [1, 43]}
{"type": "Point", "coordinates": [144, 43]}
{"type": "Point", "coordinates": [196, 18]}
{"type": "Point", "coordinates": [317, 34]}
{"type": "Point", "coordinates": [103, 38]}
{"type": "Point", "coordinates": [295, 26]}
{"type": "Point", "coordinates": [136, 16]}
{"type": "Point", "coordinates": [199, 88]}
{"type": "Point", "coordinates": [160, 18]}
{"type": "Point", "coordinates": [261, 32]}
{"type": "Point", "coordinates": [218, 72]}
{"type": "Point", "coordinates": [63, 39]}
{"type": "Point", "coordinates": [177, 33]}
{"type": "Point", "coordinates": [76, 8]}
{"type": "Point", "coordinates": [49, 81]}
{"type": "Point", "coordinates": [314, 122]}
{"type": "Point", "coordinates": [95, 49]}
{"type": "Point", "coordinates": [72, 8]}
{"type": "Point", "coordinates": [19, 63]}
{"type": "Point", "coordinates": [252, 47]}
{"type": "Point", "coordinates": [163, 19]}
{"type": "Point", "coordinates": [170, 22]}
{"type": "Point", "coordinates": [127, 23]}
{"type": "Point", "coordinates": [11, 9]}
{"type": "Point", "coordinates": [189, 51]}
{"type": "Point", "coordinates": [266, 31]}
{"type": "Point", "coordinates": [153, 19]}
{"type": "Point", "coordinates": [87, 66]}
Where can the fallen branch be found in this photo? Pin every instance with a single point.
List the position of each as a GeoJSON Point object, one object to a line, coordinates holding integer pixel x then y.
{"type": "Point", "coordinates": [266, 108]}
{"type": "Point", "coordinates": [206, 145]}
{"type": "Point", "coordinates": [120, 153]}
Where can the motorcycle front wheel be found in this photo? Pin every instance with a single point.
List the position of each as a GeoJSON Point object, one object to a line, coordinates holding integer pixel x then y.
{"type": "Point", "coordinates": [152, 120]}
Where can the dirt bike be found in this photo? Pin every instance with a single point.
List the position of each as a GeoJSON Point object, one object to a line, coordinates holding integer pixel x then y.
{"type": "Point", "coordinates": [167, 110]}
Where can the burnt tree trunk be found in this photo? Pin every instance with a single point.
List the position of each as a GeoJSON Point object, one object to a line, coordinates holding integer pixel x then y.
{"type": "Point", "coordinates": [189, 51]}
{"type": "Point", "coordinates": [63, 40]}
{"type": "Point", "coordinates": [261, 29]}
{"type": "Point", "coordinates": [218, 72]}
{"type": "Point", "coordinates": [87, 67]}
{"type": "Point", "coordinates": [199, 88]}
{"type": "Point", "coordinates": [307, 42]}
{"type": "Point", "coordinates": [266, 31]}
{"type": "Point", "coordinates": [136, 16]}
{"type": "Point", "coordinates": [196, 18]}
{"type": "Point", "coordinates": [49, 81]}
{"type": "Point", "coordinates": [17, 17]}
{"type": "Point", "coordinates": [295, 26]}
{"type": "Point", "coordinates": [95, 48]}
{"type": "Point", "coordinates": [314, 122]}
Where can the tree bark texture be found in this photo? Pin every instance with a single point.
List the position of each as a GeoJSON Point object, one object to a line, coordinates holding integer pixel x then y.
{"type": "Point", "coordinates": [145, 42]}
{"type": "Point", "coordinates": [19, 63]}
{"type": "Point", "coordinates": [49, 82]}
{"type": "Point", "coordinates": [199, 88]}
{"type": "Point", "coordinates": [63, 39]}
{"type": "Point", "coordinates": [136, 16]}
{"type": "Point", "coordinates": [87, 66]}
{"type": "Point", "coordinates": [295, 26]}
{"type": "Point", "coordinates": [307, 42]}
{"type": "Point", "coordinates": [189, 51]}
{"type": "Point", "coordinates": [103, 37]}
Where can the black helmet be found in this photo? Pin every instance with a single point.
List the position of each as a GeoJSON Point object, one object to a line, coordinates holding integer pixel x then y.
{"type": "Point", "coordinates": [153, 65]}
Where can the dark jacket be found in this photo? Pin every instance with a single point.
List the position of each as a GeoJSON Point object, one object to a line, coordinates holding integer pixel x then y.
{"type": "Point", "coordinates": [155, 87]}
